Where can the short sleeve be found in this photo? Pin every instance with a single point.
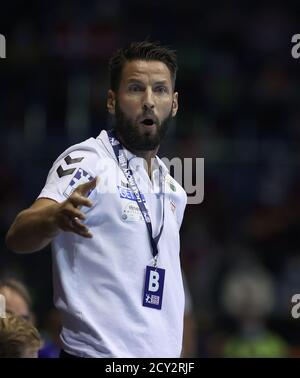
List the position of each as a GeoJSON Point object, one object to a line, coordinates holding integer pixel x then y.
{"type": "Point", "coordinates": [74, 167]}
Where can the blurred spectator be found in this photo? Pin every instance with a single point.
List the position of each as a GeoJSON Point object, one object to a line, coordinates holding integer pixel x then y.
{"type": "Point", "coordinates": [18, 338]}
{"type": "Point", "coordinates": [248, 296]}
{"type": "Point", "coordinates": [17, 298]}
{"type": "Point", "coordinates": [18, 302]}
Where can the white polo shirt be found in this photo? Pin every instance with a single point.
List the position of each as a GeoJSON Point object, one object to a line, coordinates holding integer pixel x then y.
{"type": "Point", "coordinates": [99, 282]}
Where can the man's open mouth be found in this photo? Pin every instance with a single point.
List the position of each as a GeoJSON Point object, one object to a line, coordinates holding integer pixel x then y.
{"type": "Point", "coordinates": [148, 121]}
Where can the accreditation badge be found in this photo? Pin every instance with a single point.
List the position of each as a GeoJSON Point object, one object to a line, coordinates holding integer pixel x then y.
{"type": "Point", "coordinates": [154, 287]}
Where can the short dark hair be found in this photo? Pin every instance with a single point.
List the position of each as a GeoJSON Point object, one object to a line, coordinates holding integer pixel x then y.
{"type": "Point", "coordinates": [144, 50]}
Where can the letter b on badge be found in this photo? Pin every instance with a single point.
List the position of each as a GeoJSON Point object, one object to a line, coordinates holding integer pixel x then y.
{"type": "Point", "coordinates": [154, 286]}
{"type": "Point", "coordinates": [153, 281]}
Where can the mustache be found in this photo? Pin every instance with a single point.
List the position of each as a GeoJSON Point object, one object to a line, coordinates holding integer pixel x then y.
{"type": "Point", "coordinates": [149, 114]}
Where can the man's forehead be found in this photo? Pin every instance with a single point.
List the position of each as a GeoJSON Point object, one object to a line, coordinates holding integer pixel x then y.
{"type": "Point", "coordinates": [138, 69]}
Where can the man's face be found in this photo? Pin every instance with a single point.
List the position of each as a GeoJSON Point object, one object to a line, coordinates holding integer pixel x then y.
{"type": "Point", "coordinates": [144, 104]}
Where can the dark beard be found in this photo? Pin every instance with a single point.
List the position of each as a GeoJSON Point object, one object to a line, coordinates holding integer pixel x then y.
{"type": "Point", "coordinates": [133, 139]}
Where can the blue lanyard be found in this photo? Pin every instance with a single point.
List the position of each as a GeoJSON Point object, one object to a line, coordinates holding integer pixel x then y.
{"type": "Point", "coordinates": [123, 164]}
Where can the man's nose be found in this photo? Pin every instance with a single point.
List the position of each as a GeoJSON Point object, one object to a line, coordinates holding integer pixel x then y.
{"type": "Point", "coordinates": [148, 101]}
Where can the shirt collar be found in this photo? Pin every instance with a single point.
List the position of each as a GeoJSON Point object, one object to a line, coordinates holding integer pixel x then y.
{"type": "Point", "coordinates": [130, 156]}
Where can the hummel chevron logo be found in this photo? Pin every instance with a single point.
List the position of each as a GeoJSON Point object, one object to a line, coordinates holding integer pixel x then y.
{"type": "Point", "coordinates": [61, 172]}
{"type": "Point", "coordinates": [69, 160]}
{"type": "Point", "coordinates": [65, 172]}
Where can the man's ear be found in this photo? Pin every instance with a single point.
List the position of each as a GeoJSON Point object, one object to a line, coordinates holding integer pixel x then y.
{"type": "Point", "coordinates": [175, 104]}
{"type": "Point", "coordinates": [111, 101]}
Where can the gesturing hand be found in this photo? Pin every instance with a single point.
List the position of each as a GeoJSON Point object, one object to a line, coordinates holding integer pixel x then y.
{"type": "Point", "coordinates": [68, 214]}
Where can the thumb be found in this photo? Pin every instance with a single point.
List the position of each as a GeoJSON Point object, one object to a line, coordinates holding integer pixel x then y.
{"type": "Point", "coordinates": [85, 188]}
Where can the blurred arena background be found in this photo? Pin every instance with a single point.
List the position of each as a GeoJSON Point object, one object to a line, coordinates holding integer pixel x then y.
{"type": "Point", "coordinates": [239, 109]}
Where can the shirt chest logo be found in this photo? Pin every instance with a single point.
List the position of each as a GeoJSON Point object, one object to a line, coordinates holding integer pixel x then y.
{"type": "Point", "coordinates": [126, 193]}
{"type": "Point", "coordinates": [131, 212]}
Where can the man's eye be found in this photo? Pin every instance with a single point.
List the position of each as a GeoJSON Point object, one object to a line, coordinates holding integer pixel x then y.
{"type": "Point", "coordinates": [134, 88]}
{"type": "Point", "coordinates": [161, 89]}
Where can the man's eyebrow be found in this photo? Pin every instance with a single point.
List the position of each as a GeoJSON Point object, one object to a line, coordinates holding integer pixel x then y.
{"type": "Point", "coordinates": [161, 82]}
{"type": "Point", "coordinates": [132, 80]}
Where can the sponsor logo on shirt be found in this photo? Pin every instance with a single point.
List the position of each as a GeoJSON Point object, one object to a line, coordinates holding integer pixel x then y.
{"type": "Point", "coordinates": [173, 206]}
{"type": "Point", "coordinates": [127, 194]}
{"type": "Point", "coordinates": [171, 184]}
{"type": "Point", "coordinates": [131, 212]}
{"type": "Point", "coordinates": [80, 177]}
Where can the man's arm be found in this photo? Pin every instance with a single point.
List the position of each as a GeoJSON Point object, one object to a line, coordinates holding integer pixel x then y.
{"type": "Point", "coordinates": [35, 227]}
